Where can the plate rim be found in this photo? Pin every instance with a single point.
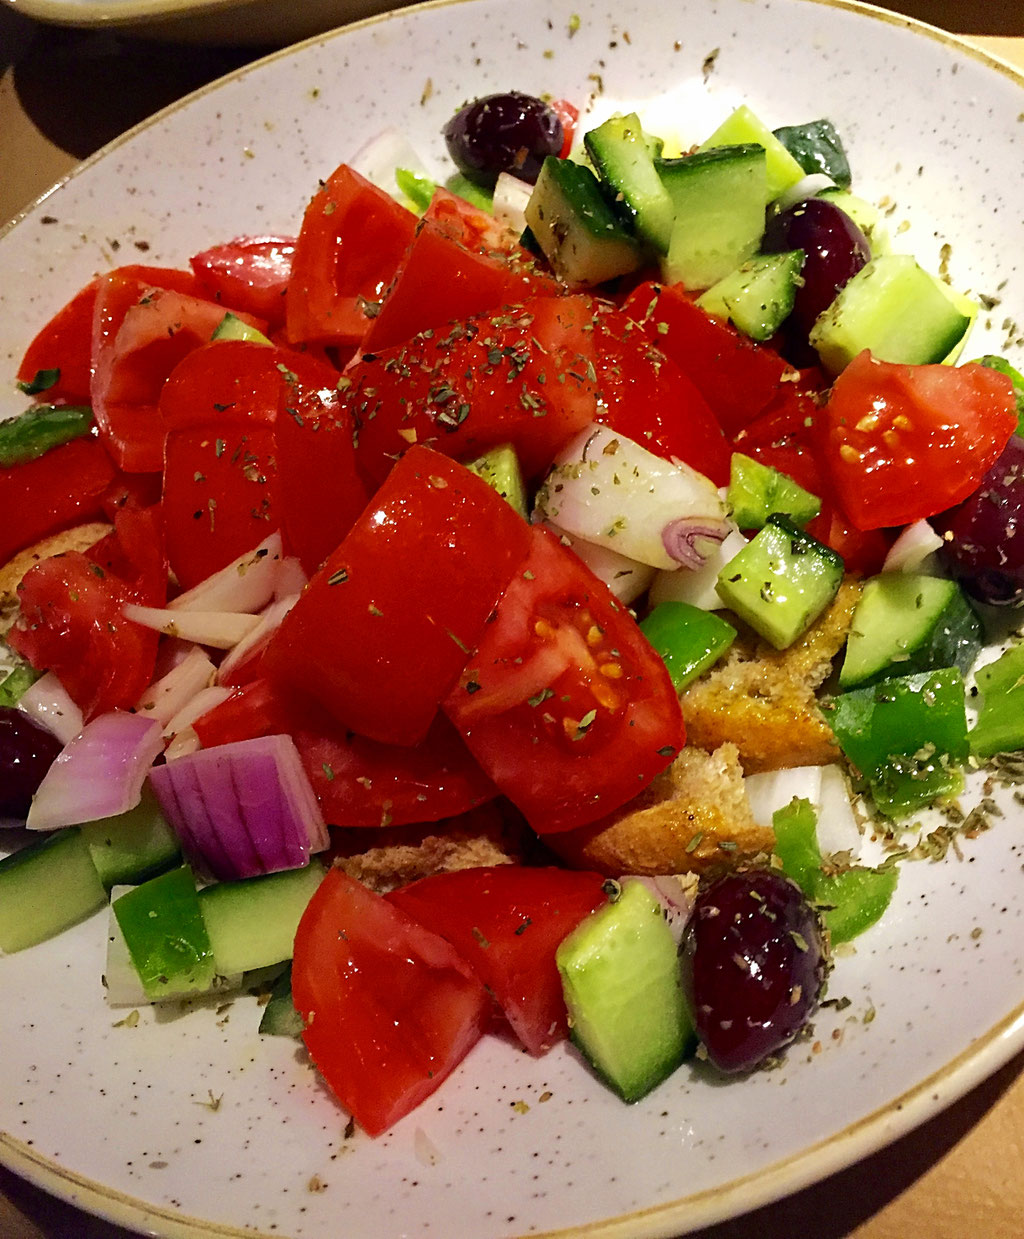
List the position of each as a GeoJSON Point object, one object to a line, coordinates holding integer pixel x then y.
{"type": "Point", "coordinates": [811, 1165]}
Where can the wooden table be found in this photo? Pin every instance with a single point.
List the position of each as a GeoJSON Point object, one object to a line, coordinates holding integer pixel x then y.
{"type": "Point", "coordinates": [961, 1176]}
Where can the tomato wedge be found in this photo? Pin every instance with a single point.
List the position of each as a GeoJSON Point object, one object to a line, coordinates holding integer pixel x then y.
{"type": "Point", "coordinates": [506, 921]}
{"type": "Point", "coordinates": [565, 705]}
{"type": "Point", "coordinates": [906, 442]}
{"type": "Point", "coordinates": [249, 274]}
{"type": "Point", "coordinates": [63, 346]}
{"type": "Point", "coordinates": [382, 631]}
{"type": "Point", "coordinates": [390, 1008]}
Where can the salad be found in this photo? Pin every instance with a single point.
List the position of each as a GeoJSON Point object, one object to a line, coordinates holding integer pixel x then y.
{"type": "Point", "coordinates": [315, 454]}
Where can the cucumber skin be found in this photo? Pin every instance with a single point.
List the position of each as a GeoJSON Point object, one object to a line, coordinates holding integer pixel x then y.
{"type": "Point", "coordinates": [46, 888]}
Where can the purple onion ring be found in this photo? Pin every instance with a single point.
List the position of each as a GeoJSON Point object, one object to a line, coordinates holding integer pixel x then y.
{"type": "Point", "coordinates": [679, 538]}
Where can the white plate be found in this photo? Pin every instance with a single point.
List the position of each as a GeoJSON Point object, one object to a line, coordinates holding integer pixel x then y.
{"type": "Point", "coordinates": [194, 1117]}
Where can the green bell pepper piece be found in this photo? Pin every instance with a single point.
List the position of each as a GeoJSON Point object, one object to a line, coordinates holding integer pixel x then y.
{"type": "Point", "coordinates": [40, 428]}
{"type": "Point", "coordinates": [166, 937]}
{"type": "Point", "coordinates": [1000, 725]}
{"type": "Point", "coordinates": [687, 639]}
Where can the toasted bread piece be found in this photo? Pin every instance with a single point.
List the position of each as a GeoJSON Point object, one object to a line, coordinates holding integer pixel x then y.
{"type": "Point", "coordinates": [763, 699]}
{"type": "Point", "coordinates": [693, 818]}
{"type": "Point", "coordinates": [78, 538]}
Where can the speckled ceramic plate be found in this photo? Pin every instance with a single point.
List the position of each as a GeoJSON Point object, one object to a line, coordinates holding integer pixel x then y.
{"type": "Point", "coordinates": [189, 1122]}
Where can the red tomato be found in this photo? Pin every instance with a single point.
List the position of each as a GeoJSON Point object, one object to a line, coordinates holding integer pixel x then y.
{"type": "Point", "coordinates": [71, 623]}
{"type": "Point", "coordinates": [218, 496]}
{"type": "Point", "coordinates": [390, 1008]}
{"type": "Point", "coordinates": [735, 376]}
{"type": "Point", "coordinates": [506, 922]}
{"type": "Point", "coordinates": [787, 435]}
{"type": "Point", "coordinates": [648, 398]}
{"type": "Point", "coordinates": [525, 377]}
{"type": "Point", "coordinates": [140, 333]}
{"type": "Point", "coordinates": [441, 281]}
{"type": "Point", "coordinates": [65, 486]}
{"type": "Point", "coordinates": [248, 273]}
{"type": "Point", "coordinates": [320, 492]}
{"type": "Point", "coordinates": [569, 115]}
{"type": "Point", "coordinates": [352, 238]}
{"type": "Point", "coordinates": [470, 226]}
{"type": "Point", "coordinates": [359, 782]}
{"type": "Point", "coordinates": [382, 631]}
{"type": "Point", "coordinates": [222, 383]}
{"type": "Point", "coordinates": [64, 345]}
{"type": "Point", "coordinates": [565, 705]}
{"type": "Point", "coordinates": [905, 442]}
{"type": "Point", "coordinates": [135, 553]}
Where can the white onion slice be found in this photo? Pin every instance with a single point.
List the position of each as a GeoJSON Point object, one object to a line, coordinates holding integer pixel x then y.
{"type": "Point", "coordinates": [166, 696]}
{"type": "Point", "coordinates": [291, 578]}
{"type": "Point", "coordinates": [913, 550]}
{"type": "Point", "coordinates": [608, 490]}
{"type": "Point", "coordinates": [774, 789]}
{"type": "Point", "coordinates": [246, 584]}
{"type": "Point", "coordinates": [249, 646]}
{"type": "Point", "coordinates": [510, 198]}
{"type": "Point", "coordinates": [626, 578]}
{"type": "Point", "coordinates": [698, 586]}
{"type": "Point", "coordinates": [828, 792]}
{"type": "Point", "coordinates": [218, 629]}
{"type": "Point", "coordinates": [99, 774]}
{"type": "Point", "coordinates": [380, 157]}
{"type": "Point", "coordinates": [195, 708]}
{"type": "Point", "coordinates": [242, 809]}
{"type": "Point", "coordinates": [807, 187]}
{"type": "Point", "coordinates": [47, 703]}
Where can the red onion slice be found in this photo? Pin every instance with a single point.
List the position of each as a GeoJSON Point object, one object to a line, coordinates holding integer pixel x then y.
{"type": "Point", "coordinates": [680, 539]}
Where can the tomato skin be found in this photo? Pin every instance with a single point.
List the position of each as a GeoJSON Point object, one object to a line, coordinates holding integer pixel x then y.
{"type": "Point", "coordinates": [649, 399]}
{"type": "Point", "coordinates": [441, 281]}
{"type": "Point", "coordinates": [736, 377]}
{"type": "Point", "coordinates": [390, 1008]}
{"type": "Point", "coordinates": [359, 782]}
{"type": "Point", "coordinates": [382, 631]}
{"type": "Point", "coordinates": [249, 274]}
{"type": "Point", "coordinates": [906, 442]}
{"type": "Point", "coordinates": [352, 239]}
{"type": "Point", "coordinates": [470, 226]}
{"type": "Point", "coordinates": [65, 344]}
{"type": "Point", "coordinates": [565, 705]}
{"type": "Point", "coordinates": [65, 486]}
{"type": "Point", "coordinates": [525, 377]}
{"type": "Point", "coordinates": [569, 115]}
{"type": "Point", "coordinates": [222, 383]}
{"type": "Point", "coordinates": [506, 922]}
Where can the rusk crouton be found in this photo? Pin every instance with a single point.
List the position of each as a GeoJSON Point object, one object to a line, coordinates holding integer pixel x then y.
{"type": "Point", "coordinates": [763, 699]}
{"type": "Point", "coordinates": [693, 818]}
{"type": "Point", "coordinates": [80, 538]}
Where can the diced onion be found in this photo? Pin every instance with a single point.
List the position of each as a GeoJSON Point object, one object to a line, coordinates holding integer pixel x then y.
{"type": "Point", "coordinates": [510, 198]}
{"type": "Point", "coordinates": [828, 792]}
{"type": "Point", "coordinates": [626, 578]}
{"type": "Point", "coordinates": [612, 492]}
{"type": "Point", "coordinates": [99, 774]}
{"type": "Point", "coordinates": [196, 707]}
{"type": "Point", "coordinates": [252, 644]}
{"type": "Point", "coordinates": [47, 703]}
{"type": "Point", "coordinates": [247, 584]}
{"type": "Point", "coordinates": [913, 550]}
{"type": "Point", "coordinates": [218, 629]}
{"type": "Point", "coordinates": [168, 695]}
{"type": "Point", "coordinates": [242, 809]}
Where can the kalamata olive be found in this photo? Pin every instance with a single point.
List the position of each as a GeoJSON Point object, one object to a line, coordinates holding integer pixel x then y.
{"type": "Point", "coordinates": [835, 250]}
{"type": "Point", "coordinates": [983, 537]}
{"type": "Point", "coordinates": [753, 963]}
{"type": "Point", "coordinates": [509, 132]}
{"type": "Point", "coordinates": [26, 753]}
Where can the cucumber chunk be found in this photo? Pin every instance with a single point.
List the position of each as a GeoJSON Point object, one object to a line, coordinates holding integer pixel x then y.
{"type": "Point", "coordinates": [500, 469]}
{"type": "Point", "coordinates": [894, 308]}
{"type": "Point", "coordinates": [165, 935]}
{"type": "Point", "coordinates": [1000, 725]}
{"type": "Point", "coordinates": [46, 888]}
{"type": "Point", "coordinates": [623, 989]}
{"type": "Point", "coordinates": [781, 581]}
{"type": "Point", "coordinates": [575, 228]}
{"type": "Point", "coordinates": [231, 327]}
{"type": "Point", "coordinates": [907, 622]}
{"type": "Point", "coordinates": [280, 1019]}
{"type": "Point", "coordinates": [251, 923]}
{"type": "Point", "coordinates": [718, 197]}
{"type": "Point", "coordinates": [133, 846]}
{"type": "Point", "coordinates": [743, 128]}
{"type": "Point", "coordinates": [621, 153]}
{"type": "Point", "coordinates": [757, 490]}
{"type": "Point", "coordinates": [758, 296]}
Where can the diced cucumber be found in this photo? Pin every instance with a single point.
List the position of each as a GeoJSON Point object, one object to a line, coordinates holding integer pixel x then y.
{"type": "Point", "coordinates": [500, 469]}
{"type": "Point", "coordinates": [165, 935]}
{"type": "Point", "coordinates": [758, 296]}
{"type": "Point", "coordinates": [757, 490]}
{"type": "Point", "coordinates": [817, 147]}
{"type": "Point", "coordinates": [576, 229]}
{"type": "Point", "coordinates": [906, 622]}
{"type": "Point", "coordinates": [623, 990]}
{"type": "Point", "coordinates": [894, 308]}
{"type": "Point", "coordinates": [687, 639]}
{"type": "Point", "coordinates": [132, 846]}
{"type": "Point", "coordinates": [718, 197]}
{"type": "Point", "coordinates": [251, 923]}
{"type": "Point", "coordinates": [743, 128]}
{"type": "Point", "coordinates": [46, 888]}
{"type": "Point", "coordinates": [1000, 725]}
{"type": "Point", "coordinates": [621, 154]}
{"type": "Point", "coordinates": [781, 581]}
{"type": "Point", "coordinates": [231, 327]}
{"type": "Point", "coordinates": [280, 1019]}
